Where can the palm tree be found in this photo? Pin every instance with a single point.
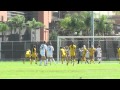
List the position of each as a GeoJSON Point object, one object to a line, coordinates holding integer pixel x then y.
{"type": "Point", "coordinates": [3, 27]}
{"type": "Point", "coordinates": [101, 26]}
{"type": "Point", "coordinates": [73, 23]}
{"type": "Point", "coordinates": [53, 35]}
{"type": "Point", "coordinates": [17, 22]}
{"type": "Point", "coordinates": [109, 28]}
{"type": "Point", "coordinates": [87, 21]}
{"type": "Point", "coordinates": [34, 25]}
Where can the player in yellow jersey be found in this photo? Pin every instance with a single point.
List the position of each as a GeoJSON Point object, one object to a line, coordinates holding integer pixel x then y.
{"type": "Point", "coordinates": [72, 48]}
{"type": "Point", "coordinates": [27, 55]}
{"type": "Point", "coordinates": [34, 54]}
{"type": "Point", "coordinates": [84, 54]}
{"type": "Point", "coordinates": [62, 54]}
{"type": "Point", "coordinates": [118, 53]}
{"type": "Point", "coordinates": [67, 54]}
{"type": "Point", "coordinates": [92, 52]}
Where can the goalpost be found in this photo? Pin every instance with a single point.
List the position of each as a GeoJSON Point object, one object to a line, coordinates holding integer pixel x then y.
{"type": "Point", "coordinates": [107, 43]}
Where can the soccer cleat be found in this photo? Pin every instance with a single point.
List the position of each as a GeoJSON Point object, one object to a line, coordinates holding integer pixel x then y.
{"type": "Point", "coordinates": [67, 63]}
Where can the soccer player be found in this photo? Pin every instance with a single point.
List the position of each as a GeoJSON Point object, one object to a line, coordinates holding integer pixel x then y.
{"type": "Point", "coordinates": [43, 53]}
{"type": "Point", "coordinates": [27, 55]}
{"type": "Point", "coordinates": [92, 52]}
{"type": "Point", "coordinates": [34, 54]}
{"type": "Point", "coordinates": [84, 54]}
{"type": "Point", "coordinates": [67, 54]}
{"type": "Point", "coordinates": [118, 53]}
{"type": "Point", "coordinates": [72, 52]}
{"type": "Point", "coordinates": [62, 54]}
{"type": "Point", "coordinates": [79, 54]}
{"type": "Point", "coordinates": [87, 56]}
{"type": "Point", "coordinates": [50, 50]}
{"type": "Point", "coordinates": [99, 54]}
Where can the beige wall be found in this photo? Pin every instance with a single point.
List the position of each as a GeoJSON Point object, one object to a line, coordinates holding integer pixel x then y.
{"type": "Point", "coordinates": [4, 14]}
{"type": "Point", "coordinates": [45, 17]}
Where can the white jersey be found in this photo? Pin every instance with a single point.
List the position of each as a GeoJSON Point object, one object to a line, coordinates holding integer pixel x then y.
{"type": "Point", "coordinates": [87, 54]}
{"type": "Point", "coordinates": [99, 52]}
{"type": "Point", "coordinates": [43, 48]}
{"type": "Point", "coordinates": [50, 50]}
{"type": "Point", "coordinates": [68, 52]}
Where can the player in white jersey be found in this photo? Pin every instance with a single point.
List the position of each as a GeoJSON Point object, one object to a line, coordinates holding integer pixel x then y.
{"type": "Point", "coordinates": [87, 57]}
{"type": "Point", "coordinates": [43, 51]}
{"type": "Point", "coordinates": [99, 53]}
{"type": "Point", "coordinates": [50, 50]}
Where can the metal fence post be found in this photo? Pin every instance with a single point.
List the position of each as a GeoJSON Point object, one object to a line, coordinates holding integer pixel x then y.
{"type": "Point", "coordinates": [12, 50]}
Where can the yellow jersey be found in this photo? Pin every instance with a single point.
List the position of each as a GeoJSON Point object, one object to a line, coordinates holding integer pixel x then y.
{"type": "Point", "coordinates": [34, 50]}
{"type": "Point", "coordinates": [84, 51]}
{"type": "Point", "coordinates": [72, 48]}
{"type": "Point", "coordinates": [63, 51]}
{"type": "Point", "coordinates": [118, 50]}
{"type": "Point", "coordinates": [92, 51]}
{"type": "Point", "coordinates": [28, 52]}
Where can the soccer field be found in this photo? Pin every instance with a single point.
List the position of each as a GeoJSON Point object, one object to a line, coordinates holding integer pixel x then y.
{"type": "Point", "coordinates": [18, 70]}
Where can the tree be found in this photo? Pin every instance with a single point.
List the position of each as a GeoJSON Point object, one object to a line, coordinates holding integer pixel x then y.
{"type": "Point", "coordinates": [64, 23]}
{"type": "Point", "coordinates": [17, 22]}
{"type": "Point", "coordinates": [73, 23]}
{"type": "Point", "coordinates": [34, 25]}
{"type": "Point", "coordinates": [53, 35]}
{"type": "Point", "coordinates": [3, 27]}
{"type": "Point", "coordinates": [87, 21]}
{"type": "Point", "coordinates": [109, 28]}
{"type": "Point", "coordinates": [101, 26]}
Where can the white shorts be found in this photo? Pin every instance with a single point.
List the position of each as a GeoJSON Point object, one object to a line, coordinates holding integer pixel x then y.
{"type": "Point", "coordinates": [49, 55]}
{"type": "Point", "coordinates": [99, 55]}
{"type": "Point", "coordinates": [42, 54]}
{"type": "Point", "coordinates": [99, 58]}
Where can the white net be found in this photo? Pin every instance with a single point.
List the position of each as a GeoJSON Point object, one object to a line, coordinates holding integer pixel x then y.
{"type": "Point", "coordinates": [108, 44]}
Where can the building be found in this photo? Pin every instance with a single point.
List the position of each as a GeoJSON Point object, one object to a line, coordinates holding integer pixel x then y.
{"type": "Point", "coordinates": [42, 16]}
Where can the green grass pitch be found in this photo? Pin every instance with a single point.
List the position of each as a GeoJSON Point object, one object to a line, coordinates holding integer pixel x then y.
{"type": "Point", "coordinates": [18, 70]}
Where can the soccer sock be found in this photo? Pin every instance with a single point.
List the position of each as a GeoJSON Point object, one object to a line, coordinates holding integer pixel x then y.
{"type": "Point", "coordinates": [73, 61]}
{"type": "Point", "coordinates": [62, 61]}
{"type": "Point", "coordinates": [99, 60]}
{"type": "Point", "coordinates": [30, 61]}
{"type": "Point", "coordinates": [93, 61]}
{"type": "Point", "coordinates": [78, 61]}
{"type": "Point", "coordinates": [54, 60]}
{"type": "Point", "coordinates": [35, 61]}
{"type": "Point", "coordinates": [40, 62]}
{"type": "Point", "coordinates": [67, 62]}
{"type": "Point", "coordinates": [86, 60]}
{"type": "Point", "coordinates": [50, 61]}
{"type": "Point", "coordinates": [45, 62]}
{"type": "Point", "coordinates": [81, 61]}
{"type": "Point", "coordinates": [23, 61]}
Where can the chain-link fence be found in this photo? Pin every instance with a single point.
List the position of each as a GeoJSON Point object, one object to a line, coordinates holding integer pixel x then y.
{"type": "Point", "coordinates": [15, 50]}
{"type": "Point", "coordinates": [108, 45]}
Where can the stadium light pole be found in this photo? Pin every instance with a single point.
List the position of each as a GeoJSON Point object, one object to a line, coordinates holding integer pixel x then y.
{"type": "Point", "coordinates": [92, 27]}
